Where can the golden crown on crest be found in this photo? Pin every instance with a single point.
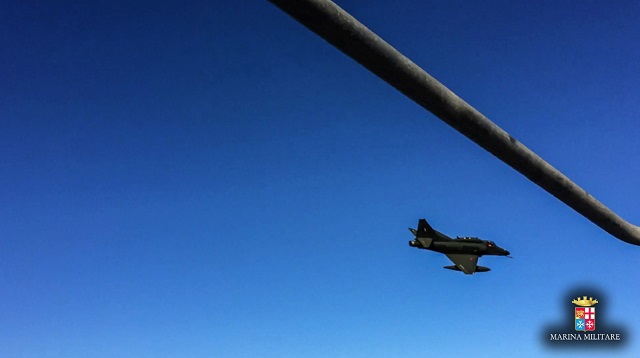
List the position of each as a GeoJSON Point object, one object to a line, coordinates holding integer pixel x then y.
{"type": "Point", "coordinates": [584, 302]}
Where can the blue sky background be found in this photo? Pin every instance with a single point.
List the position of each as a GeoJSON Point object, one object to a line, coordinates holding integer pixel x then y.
{"type": "Point", "coordinates": [209, 179]}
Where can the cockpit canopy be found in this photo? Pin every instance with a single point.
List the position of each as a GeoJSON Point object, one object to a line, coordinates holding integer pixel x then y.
{"type": "Point", "coordinates": [467, 238]}
{"type": "Point", "coordinates": [491, 243]}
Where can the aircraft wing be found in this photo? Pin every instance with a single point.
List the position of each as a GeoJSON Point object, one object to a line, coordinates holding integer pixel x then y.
{"type": "Point", "coordinates": [465, 262]}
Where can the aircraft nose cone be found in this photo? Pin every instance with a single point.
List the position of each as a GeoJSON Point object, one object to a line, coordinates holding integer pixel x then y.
{"type": "Point", "coordinates": [506, 252]}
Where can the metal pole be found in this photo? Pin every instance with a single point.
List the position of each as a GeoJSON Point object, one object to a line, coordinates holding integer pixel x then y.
{"type": "Point", "coordinates": [351, 37]}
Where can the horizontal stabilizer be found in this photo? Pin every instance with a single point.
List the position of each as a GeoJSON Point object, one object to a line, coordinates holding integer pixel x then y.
{"type": "Point", "coordinates": [425, 242]}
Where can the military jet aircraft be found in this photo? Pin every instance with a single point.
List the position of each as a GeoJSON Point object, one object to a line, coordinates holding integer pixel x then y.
{"type": "Point", "coordinates": [463, 251]}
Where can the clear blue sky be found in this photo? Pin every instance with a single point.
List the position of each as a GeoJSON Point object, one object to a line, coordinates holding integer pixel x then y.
{"type": "Point", "coordinates": [211, 179]}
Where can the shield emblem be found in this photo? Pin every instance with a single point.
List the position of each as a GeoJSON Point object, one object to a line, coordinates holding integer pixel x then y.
{"type": "Point", "coordinates": [585, 318]}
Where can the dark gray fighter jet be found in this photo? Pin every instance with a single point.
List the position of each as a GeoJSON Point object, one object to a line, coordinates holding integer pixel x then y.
{"type": "Point", "coordinates": [463, 251]}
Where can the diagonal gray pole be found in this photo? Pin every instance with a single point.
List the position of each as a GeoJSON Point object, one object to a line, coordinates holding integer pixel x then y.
{"type": "Point", "coordinates": [351, 37]}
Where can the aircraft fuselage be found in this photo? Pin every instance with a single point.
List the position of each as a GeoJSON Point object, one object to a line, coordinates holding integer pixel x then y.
{"type": "Point", "coordinates": [460, 246]}
{"type": "Point", "coordinates": [462, 251]}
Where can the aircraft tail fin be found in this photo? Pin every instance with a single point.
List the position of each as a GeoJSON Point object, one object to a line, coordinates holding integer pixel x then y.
{"type": "Point", "coordinates": [425, 230]}
{"type": "Point", "coordinates": [425, 235]}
